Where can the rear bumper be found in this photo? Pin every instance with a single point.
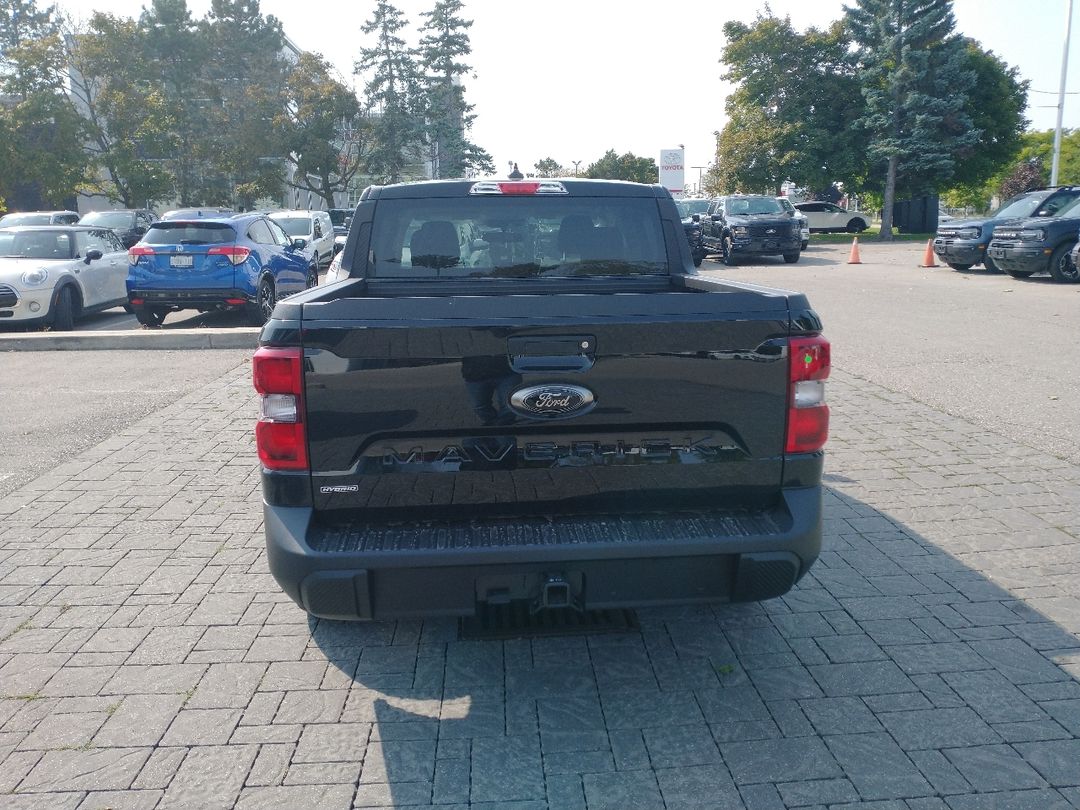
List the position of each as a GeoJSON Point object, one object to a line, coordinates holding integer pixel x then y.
{"type": "Point", "coordinates": [190, 299]}
{"type": "Point", "coordinates": [625, 562]}
{"type": "Point", "coordinates": [958, 251]}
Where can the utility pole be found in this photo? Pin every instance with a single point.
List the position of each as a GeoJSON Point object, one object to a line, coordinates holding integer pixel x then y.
{"type": "Point", "coordinates": [699, 169]}
{"type": "Point", "coordinates": [1061, 94]}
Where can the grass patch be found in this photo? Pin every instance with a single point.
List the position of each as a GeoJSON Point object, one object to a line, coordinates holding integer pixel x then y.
{"type": "Point", "coordinates": [869, 235]}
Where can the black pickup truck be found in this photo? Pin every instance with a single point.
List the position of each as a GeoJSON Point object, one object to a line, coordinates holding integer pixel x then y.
{"type": "Point", "coordinates": [741, 226]}
{"type": "Point", "coordinates": [523, 392]}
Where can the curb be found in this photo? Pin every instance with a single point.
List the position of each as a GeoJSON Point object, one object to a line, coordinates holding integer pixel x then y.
{"type": "Point", "coordinates": [209, 338]}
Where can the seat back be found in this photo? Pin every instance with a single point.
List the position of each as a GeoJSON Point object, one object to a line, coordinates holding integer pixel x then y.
{"type": "Point", "coordinates": [435, 244]}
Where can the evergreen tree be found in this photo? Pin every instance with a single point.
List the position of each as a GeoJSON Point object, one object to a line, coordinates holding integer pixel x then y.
{"type": "Point", "coordinates": [915, 79]}
{"type": "Point", "coordinates": [449, 117]}
{"type": "Point", "coordinates": [392, 96]}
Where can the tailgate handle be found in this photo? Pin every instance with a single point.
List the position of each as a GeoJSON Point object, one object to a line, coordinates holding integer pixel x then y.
{"type": "Point", "coordinates": [550, 353]}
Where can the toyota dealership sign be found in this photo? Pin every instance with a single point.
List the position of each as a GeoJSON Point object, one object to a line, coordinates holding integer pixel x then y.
{"type": "Point", "coordinates": [671, 170]}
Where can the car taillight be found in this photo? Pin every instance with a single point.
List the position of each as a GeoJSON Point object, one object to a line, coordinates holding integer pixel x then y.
{"type": "Point", "coordinates": [138, 251]}
{"type": "Point", "coordinates": [808, 415]}
{"type": "Point", "coordinates": [279, 434]}
{"type": "Point", "coordinates": [234, 253]}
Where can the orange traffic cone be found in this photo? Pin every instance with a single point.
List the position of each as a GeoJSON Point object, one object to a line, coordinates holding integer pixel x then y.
{"type": "Point", "coordinates": [854, 257]}
{"type": "Point", "coordinates": [928, 257]}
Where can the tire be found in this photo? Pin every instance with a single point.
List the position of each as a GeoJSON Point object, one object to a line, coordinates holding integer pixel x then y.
{"type": "Point", "coordinates": [260, 311]}
{"type": "Point", "coordinates": [960, 267]}
{"type": "Point", "coordinates": [312, 277]}
{"type": "Point", "coordinates": [1020, 273]}
{"type": "Point", "coordinates": [63, 310]}
{"type": "Point", "coordinates": [128, 308]}
{"type": "Point", "coordinates": [150, 317]}
{"type": "Point", "coordinates": [989, 266]}
{"type": "Point", "coordinates": [856, 225]}
{"type": "Point", "coordinates": [1061, 265]}
{"type": "Point", "coordinates": [729, 253]}
{"type": "Point", "coordinates": [791, 258]}
{"type": "Point", "coordinates": [804, 245]}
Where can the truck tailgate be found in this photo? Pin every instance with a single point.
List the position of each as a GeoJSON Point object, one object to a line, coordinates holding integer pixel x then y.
{"type": "Point", "coordinates": [471, 406]}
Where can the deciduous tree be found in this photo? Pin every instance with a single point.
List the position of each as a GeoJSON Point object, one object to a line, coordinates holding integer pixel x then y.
{"type": "Point", "coordinates": [549, 167]}
{"type": "Point", "coordinates": [613, 166]}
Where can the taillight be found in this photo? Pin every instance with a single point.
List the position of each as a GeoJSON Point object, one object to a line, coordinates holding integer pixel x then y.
{"type": "Point", "coordinates": [279, 435]}
{"type": "Point", "coordinates": [234, 253]}
{"type": "Point", "coordinates": [518, 187]}
{"type": "Point", "coordinates": [137, 252]}
{"type": "Point", "coordinates": [808, 415]}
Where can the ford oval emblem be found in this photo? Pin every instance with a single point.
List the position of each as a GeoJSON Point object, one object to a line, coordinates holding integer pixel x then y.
{"type": "Point", "coordinates": [552, 401]}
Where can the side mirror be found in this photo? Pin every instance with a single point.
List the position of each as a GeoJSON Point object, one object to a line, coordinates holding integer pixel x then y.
{"type": "Point", "coordinates": [695, 217]}
{"type": "Point", "coordinates": [717, 217]}
{"type": "Point", "coordinates": [140, 230]}
{"type": "Point", "coordinates": [299, 243]}
{"type": "Point", "coordinates": [92, 255]}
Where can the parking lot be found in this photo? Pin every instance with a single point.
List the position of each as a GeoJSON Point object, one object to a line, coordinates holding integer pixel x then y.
{"type": "Point", "coordinates": [930, 660]}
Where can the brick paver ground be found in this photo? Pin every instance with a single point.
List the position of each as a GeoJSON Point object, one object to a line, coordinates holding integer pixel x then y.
{"type": "Point", "coordinates": [930, 661]}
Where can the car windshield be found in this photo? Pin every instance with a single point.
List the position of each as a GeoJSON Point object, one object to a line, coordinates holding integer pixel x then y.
{"type": "Point", "coordinates": [35, 244]}
{"type": "Point", "coordinates": [109, 219]}
{"type": "Point", "coordinates": [690, 207]}
{"type": "Point", "coordinates": [294, 226]}
{"type": "Point", "coordinates": [753, 205]}
{"type": "Point", "coordinates": [25, 219]}
{"type": "Point", "coordinates": [189, 233]}
{"type": "Point", "coordinates": [1022, 205]}
{"type": "Point", "coordinates": [517, 237]}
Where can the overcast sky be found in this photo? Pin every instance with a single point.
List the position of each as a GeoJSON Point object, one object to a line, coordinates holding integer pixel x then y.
{"type": "Point", "coordinates": [570, 79]}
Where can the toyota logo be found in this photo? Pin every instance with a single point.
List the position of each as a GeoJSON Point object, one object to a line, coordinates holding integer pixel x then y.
{"type": "Point", "coordinates": [552, 401]}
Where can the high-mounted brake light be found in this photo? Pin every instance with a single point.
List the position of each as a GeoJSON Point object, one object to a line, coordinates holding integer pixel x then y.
{"type": "Point", "coordinates": [279, 434]}
{"type": "Point", "coordinates": [235, 253]}
{"type": "Point", "coordinates": [517, 187]}
{"type": "Point", "coordinates": [138, 251]}
{"type": "Point", "coordinates": [808, 415]}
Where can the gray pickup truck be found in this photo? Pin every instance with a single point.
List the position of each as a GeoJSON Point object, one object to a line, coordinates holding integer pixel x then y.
{"type": "Point", "coordinates": [523, 392]}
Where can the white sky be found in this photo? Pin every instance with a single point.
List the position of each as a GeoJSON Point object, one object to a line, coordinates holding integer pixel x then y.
{"type": "Point", "coordinates": [570, 79]}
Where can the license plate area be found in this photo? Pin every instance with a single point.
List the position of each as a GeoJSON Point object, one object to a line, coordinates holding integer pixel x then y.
{"type": "Point", "coordinates": [997, 253]}
{"type": "Point", "coordinates": [771, 244]}
{"type": "Point", "coordinates": [181, 261]}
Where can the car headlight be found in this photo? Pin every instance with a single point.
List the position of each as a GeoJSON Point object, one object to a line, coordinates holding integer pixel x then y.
{"type": "Point", "coordinates": [740, 230]}
{"type": "Point", "coordinates": [968, 233]}
{"type": "Point", "coordinates": [1033, 235]}
{"type": "Point", "coordinates": [35, 277]}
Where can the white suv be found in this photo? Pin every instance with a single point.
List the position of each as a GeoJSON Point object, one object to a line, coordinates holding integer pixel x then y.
{"type": "Point", "coordinates": [824, 216]}
{"type": "Point", "coordinates": [314, 226]}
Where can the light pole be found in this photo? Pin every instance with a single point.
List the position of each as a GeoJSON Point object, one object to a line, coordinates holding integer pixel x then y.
{"type": "Point", "coordinates": [1061, 95]}
{"type": "Point", "coordinates": [576, 164]}
{"type": "Point", "coordinates": [699, 168]}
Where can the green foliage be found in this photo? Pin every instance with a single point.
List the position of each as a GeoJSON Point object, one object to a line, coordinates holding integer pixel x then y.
{"type": "Point", "coordinates": [915, 77]}
{"type": "Point", "coordinates": [629, 166]}
{"type": "Point", "coordinates": [325, 135]}
{"type": "Point", "coordinates": [448, 116]}
{"type": "Point", "coordinates": [549, 167]}
{"type": "Point", "coordinates": [393, 96]}
{"type": "Point", "coordinates": [791, 115]}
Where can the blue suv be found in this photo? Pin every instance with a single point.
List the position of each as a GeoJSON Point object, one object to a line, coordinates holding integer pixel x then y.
{"type": "Point", "coordinates": [242, 262]}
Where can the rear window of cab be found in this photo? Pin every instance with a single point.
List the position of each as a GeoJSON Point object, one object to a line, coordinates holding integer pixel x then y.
{"type": "Point", "coordinates": [189, 233]}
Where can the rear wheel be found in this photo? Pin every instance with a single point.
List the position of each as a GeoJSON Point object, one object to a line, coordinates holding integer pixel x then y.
{"type": "Point", "coordinates": [856, 225]}
{"type": "Point", "coordinates": [1019, 273]}
{"type": "Point", "coordinates": [960, 267]}
{"type": "Point", "coordinates": [312, 277]}
{"type": "Point", "coordinates": [1061, 266]}
{"type": "Point", "coordinates": [791, 258]}
{"type": "Point", "coordinates": [265, 299]}
{"type": "Point", "coordinates": [151, 317]}
{"type": "Point", "coordinates": [63, 314]}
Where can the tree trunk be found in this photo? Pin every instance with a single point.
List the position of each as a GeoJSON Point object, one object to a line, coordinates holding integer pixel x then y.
{"type": "Point", "coordinates": [887, 203]}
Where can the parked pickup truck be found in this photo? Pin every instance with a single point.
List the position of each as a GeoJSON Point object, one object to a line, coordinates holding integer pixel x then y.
{"type": "Point", "coordinates": [742, 226]}
{"type": "Point", "coordinates": [523, 392]}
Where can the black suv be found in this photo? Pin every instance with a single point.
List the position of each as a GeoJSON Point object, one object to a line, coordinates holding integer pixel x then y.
{"type": "Point", "coordinates": [691, 212]}
{"type": "Point", "coordinates": [743, 225]}
{"type": "Point", "coordinates": [963, 243]}
{"type": "Point", "coordinates": [129, 224]}
{"type": "Point", "coordinates": [1039, 244]}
